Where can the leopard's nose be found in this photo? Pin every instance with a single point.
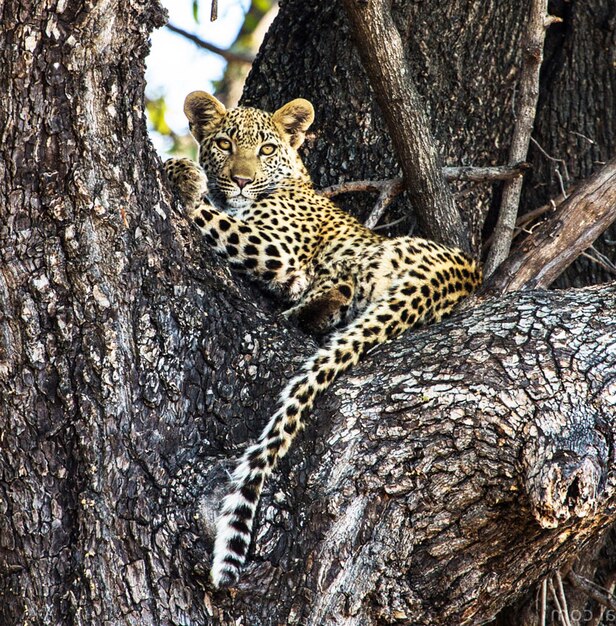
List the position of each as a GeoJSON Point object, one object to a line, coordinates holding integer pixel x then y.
{"type": "Point", "coordinates": [241, 182]}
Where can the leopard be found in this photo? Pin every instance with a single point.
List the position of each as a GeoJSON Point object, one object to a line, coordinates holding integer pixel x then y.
{"type": "Point", "coordinates": [253, 201]}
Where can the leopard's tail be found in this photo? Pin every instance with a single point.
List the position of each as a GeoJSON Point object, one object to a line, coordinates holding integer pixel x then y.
{"type": "Point", "coordinates": [384, 319]}
{"type": "Point", "coordinates": [234, 526]}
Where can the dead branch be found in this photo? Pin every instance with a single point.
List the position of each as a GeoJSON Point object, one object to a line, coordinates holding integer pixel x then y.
{"type": "Point", "coordinates": [385, 198]}
{"type": "Point", "coordinates": [562, 237]}
{"type": "Point", "coordinates": [544, 599]}
{"type": "Point", "coordinates": [228, 55]}
{"type": "Point", "coordinates": [388, 189]}
{"type": "Point", "coordinates": [538, 22]}
{"type": "Point", "coordinates": [554, 159]}
{"type": "Point", "coordinates": [592, 254]}
{"type": "Point", "coordinates": [562, 599]}
{"type": "Point", "coordinates": [461, 173]}
{"type": "Point", "coordinates": [523, 222]}
{"type": "Point", "coordinates": [406, 120]}
{"type": "Point", "coordinates": [608, 585]}
{"type": "Point", "coordinates": [354, 186]}
{"type": "Point", "coordinates": [493, 173]}
{"type": "Point", "coordinates": [391, 224]}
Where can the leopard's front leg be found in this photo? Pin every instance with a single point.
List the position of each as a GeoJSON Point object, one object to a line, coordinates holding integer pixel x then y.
{"type": "Point", "coordinates": [248, 247]}
{"type": "Point", "coordinates": [252, 249]}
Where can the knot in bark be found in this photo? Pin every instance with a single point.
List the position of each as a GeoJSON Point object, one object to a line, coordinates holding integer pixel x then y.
{"type": "Point", "coordinates": [566, 486]}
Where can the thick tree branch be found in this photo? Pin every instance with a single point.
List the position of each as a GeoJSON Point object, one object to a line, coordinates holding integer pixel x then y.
{"type": "Point", "coordinates": [406, 119]}
{"type": "Point", "coordinates": [398, 518]}
{"type": "Point", "coordinates": [538, 22]}
{"type": "Point", "coordinates": [557, 242]}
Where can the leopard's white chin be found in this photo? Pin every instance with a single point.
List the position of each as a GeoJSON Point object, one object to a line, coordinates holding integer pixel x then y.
{"type": "Point", "coordinates": [239, 202]}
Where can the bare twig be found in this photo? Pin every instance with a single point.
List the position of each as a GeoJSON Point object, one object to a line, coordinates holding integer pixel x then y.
{"type": "Point", "coordinates": [588, 139]}
{"type": "Point", "coordinates": [353, 186]}
{"type": "Point", "coordinates": [551, 158]}
{"type": "Point", "coordinates": [561, 162]}
{"type": "Point", "coordinates": [563, 597]}
{"type": "Point", "coordinates": [406, 119]}
{"type": "Point", "coordinates": [214, 11]}
{"type": "Point", "coordinates": [560, 603]}
{"type": "Point", "coordinates": [561, 184]}
{"type": "Point", "coordinates": [527, 103]}
{"type": "Point", "coordinates": [228, 55]}
{"type": "Point", "coordinates": [600, 259]}
{"type": "Point", "coordinates": [383, 201]}
{"type": "Point", "coordinates": [596, 592]}
{"type": "Point", "coordinates": [562, 237]}
{"type": "Point", "coordinates": [390, 224]}
{"type": "Point", "coordinates": [544, 602]}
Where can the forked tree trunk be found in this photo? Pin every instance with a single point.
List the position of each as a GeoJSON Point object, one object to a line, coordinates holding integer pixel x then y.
{"type": "Point", "coordinates": [133, 368]}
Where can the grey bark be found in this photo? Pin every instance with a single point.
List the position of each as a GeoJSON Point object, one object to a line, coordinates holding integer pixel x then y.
{"type": "Point", "coordinates": [116, 333]}
{"type": "Point", "coordinates": [133, 367]}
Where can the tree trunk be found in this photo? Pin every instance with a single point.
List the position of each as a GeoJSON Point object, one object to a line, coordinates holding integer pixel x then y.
{"type": "Point", "coordinates": [133, 368]}
{"type": "Point", "coordinates": [116, 334]}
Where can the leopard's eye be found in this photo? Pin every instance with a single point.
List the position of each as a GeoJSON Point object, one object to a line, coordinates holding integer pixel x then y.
{"type": "Point", "coordinates": [223, 144]}
{"type": "Point", "coordinates": [267, 149]}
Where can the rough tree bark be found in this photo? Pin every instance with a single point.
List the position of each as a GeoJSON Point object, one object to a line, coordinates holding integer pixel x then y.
{"type": "Point", "coordinates": [133, 367]}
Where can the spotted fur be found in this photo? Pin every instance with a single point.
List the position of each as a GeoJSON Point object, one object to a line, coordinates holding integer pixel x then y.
{"type": "Point", "coordinates": [263, 215]}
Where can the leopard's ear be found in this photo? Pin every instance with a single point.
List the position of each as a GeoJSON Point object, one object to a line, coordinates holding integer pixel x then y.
{"type": "Point", "coordinates": [293, 120]}
{"type": "Point", "coordinates": [204, 113]}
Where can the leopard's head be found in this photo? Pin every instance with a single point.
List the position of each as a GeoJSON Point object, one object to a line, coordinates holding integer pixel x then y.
{"type": "Point", "coordinates": [247, 152]}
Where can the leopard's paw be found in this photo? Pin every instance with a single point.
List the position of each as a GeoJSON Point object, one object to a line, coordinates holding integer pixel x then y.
{"type": "Point", "coordinates": [188, 180]}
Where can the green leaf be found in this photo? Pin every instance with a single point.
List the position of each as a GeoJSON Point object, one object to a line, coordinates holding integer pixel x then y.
{"type": "Point", "coordinates": [156, 109]}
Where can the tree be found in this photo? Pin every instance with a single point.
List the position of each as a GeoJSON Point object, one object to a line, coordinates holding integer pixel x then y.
{"type": "Point", "coordinates": [133, 365]}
